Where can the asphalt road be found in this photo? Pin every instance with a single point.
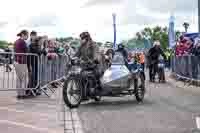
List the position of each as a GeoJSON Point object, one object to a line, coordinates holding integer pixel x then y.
{"type": "Point", "coordinates": [166, 109]}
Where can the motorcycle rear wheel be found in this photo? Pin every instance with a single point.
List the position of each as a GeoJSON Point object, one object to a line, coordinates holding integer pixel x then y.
{"type": "Point", "coordinates": [72, 90]}
{"type": "Point", "coordinates": [139, 86]}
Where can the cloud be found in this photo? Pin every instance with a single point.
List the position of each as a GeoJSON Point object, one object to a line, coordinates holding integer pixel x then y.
{"type": "Point", "coordinates": [42, 20]}
{"type": "Point", "coordinates": [3, 24]}
{"type": "Point", "coordinates": [90, 3]}
{"type": "Point", "coordinates": [178, 6]}
{"type": "Point", "coordinates": [66, 18]}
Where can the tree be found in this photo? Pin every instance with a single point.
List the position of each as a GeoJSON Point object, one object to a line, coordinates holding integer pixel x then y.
{"type": "Point", "coordinates": [186, 26]}
{"type": "Point", "coordinates": [3, 44]}
{"type": "Point", "coordinates": [156, 33]}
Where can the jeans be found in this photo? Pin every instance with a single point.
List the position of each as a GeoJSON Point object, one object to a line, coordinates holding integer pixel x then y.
{"type": "Point", "coordinates": [153, 69]}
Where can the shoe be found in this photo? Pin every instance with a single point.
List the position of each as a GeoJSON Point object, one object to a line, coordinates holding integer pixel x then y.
{"type": "Point", "coordinates": [21, 97]}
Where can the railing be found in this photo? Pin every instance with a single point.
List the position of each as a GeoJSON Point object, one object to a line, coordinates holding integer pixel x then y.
{"type": "Point", "coordinates": [186, 67]}
{"type": "Point", "coordinates": [30, 72]}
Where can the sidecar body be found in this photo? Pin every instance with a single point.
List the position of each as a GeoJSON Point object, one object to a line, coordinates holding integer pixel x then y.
{"type": "Point", "coordinates": [118, 76]}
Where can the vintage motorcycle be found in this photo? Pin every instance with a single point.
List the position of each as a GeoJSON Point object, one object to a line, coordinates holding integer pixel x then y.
{"type": "Point", "coordinates": [81, 85]}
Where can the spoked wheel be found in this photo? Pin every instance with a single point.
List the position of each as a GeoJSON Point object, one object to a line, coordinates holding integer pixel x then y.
{"type": "Point", "coordinates": [139, 86]}
{"type": "Point", "coordinates": [72, 93]}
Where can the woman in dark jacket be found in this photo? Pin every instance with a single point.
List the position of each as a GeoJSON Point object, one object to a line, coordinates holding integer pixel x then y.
{"type": "Point", "coordinates": [33, 63]}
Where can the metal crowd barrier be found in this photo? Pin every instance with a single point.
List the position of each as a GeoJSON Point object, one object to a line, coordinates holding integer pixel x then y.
{"type": "Point", "coordinates": [19, 72]}
{"type": "Point", "coordinates": [186, 67]}
{"type": "Point", "coordinates": [30, 73]}
{"type": "Point", "coordinates": [52, 72]}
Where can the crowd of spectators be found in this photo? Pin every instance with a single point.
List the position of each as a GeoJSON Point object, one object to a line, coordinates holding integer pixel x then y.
{"type": "Point", "coordinates": [28, 61]}
{"type": "Point", "coordinates": [187, 46]}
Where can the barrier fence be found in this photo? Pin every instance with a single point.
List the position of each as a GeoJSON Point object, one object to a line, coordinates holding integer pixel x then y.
{"type": "Point", "coordinates": [29, 73]}
{"type": "Point", "coordinates": [186, 67]}
{"type": "Point", "coordinates": [32, 73]}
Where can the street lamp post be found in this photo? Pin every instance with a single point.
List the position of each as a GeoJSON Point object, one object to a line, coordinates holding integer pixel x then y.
{"type": "Point", "coordinates": [114, 28]}
{"type": "Point", "coordinates": [199, 14]}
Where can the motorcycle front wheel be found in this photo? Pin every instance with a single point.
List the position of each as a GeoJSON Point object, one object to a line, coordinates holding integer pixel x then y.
{"type": "Point", "coordinates": [72, 93]}
{"type": "Point", "coordinates": [139, 86]}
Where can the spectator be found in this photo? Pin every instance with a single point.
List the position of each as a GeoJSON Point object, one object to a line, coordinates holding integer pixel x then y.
{"type": "Point", "coordinates": [8, 59]}
{"type": "Point", "coordinates": [68, 50]}
{"type": "Point", "coordinates": [52, 65]}
{"type": "Point", "coordinates": [184, 46]}
{"type": "Point", "coordinates": [108, 58]}
{"type": "Point", "coordinates": [33, 36]}
{"type": "Point", "coordinates": [142, 59]}
{"type": "Point", "coordinates": [168, 56]}
{"type": "Point", "coordinates": [130, 56]}
{"type": "Point", "coordinates": [51, 50]}
{"type": "Point", "coordinates": [196, 49]}
{"type": "Point", "coordinates": [35, 48]}
{"type": "Point", "coordinates": [20, 48]}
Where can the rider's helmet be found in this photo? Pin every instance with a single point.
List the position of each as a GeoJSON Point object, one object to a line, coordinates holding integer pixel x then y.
{"type": "Point", "coordinates": [121, 46]}
{"type": "Point", "coordinates": [85, 35]}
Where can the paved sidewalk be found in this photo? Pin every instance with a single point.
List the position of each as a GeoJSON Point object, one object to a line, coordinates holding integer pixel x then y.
{"type": "Point", "coordinates": [181, 84]}
{"type": "Point", "coordinates": [37, 115]}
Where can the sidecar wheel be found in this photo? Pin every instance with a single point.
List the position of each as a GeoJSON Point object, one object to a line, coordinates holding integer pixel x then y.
{"type": "Point", "coordinates": [72, 93]}
{"type": "Point", "coordinates": [139, 86]}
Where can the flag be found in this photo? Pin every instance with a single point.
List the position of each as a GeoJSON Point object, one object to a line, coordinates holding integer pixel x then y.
{"type": "Point", "coordinates": [171, 33]}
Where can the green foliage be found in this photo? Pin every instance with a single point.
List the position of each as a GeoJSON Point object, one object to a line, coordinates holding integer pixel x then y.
{"type": "Point", "coordinates": [66, 39]}
{"type": "Point", "coordinates": [99, 44]}
{"type": "Point", "coordinates": [75, 43]}
{"type": "Point", "coordinates": [135, 43]}
{"type": "Point", "coordinates": [156, 33]}
{"type": "Point", "coordinates": [4, 44]}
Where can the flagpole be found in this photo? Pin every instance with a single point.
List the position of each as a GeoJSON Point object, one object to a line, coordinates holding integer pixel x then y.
{"type": "Point", "coordinates": [114, 28]}
{"type": "Point", "coordinates": [198, 15]}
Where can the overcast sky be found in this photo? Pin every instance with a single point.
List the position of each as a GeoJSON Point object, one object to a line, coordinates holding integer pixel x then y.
{"type": "Point", "coordinates": [70, 17]}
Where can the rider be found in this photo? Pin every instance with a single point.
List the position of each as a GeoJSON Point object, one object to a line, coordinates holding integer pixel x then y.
{"type": "Point", "coordinates": [124, 52]}
{"type": "Point", "coordinates": [89, 52]}
{"type": "Point", "coordinates": [153, 57]}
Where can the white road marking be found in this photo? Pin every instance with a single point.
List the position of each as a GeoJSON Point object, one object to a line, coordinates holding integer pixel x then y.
{"type": "Point", "coordinates": [198, 122]}
{"type": "Point", "coordinates": [77, 124]}
{"type": "Point", "coordinates": [27, 126]}
{"type": "Point", "coordinates": [21, 111]}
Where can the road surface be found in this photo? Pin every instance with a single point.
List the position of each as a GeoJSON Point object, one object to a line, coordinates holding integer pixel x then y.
{"type": "Point", "coordinates": [166, 109]}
